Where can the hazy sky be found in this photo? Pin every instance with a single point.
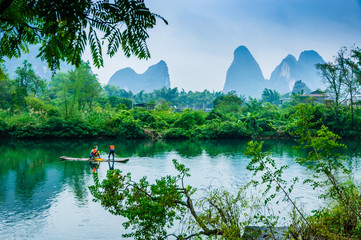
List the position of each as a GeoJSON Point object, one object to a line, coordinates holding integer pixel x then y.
{"type": "Point", "coordinates": [199, 41]}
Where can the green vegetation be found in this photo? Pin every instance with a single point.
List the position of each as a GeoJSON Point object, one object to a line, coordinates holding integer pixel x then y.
{"type": "Point", "coordinates": [75, 105]}
{"type": "Point", "coordinates": [151, 209]}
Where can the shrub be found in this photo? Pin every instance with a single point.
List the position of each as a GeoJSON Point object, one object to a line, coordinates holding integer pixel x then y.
{"type": "Point", "coordinates": [175, 133]}
{"type": "Point", "coordinates": [216, 114]}
{"type": "Point", "coordinates": [124, 125]}
{"type": "Point", "coordinates": [189, 119]}
{"type": "Point", "coordinates": [148, 119]}
{"type": "Point", "coordinates": [217, 129]}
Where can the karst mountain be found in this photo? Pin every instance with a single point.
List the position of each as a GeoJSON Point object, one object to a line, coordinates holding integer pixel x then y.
{"type": "Point", "coordinates": [245, 77]}
{"type": "Point", "coordinates": [155, 77]}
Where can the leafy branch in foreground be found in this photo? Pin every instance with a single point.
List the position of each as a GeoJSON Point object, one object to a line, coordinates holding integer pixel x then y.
{"type": "Point", "coordinates": [342, 218]}
{"type": "Point", "coordinates": [152, 210]}
{"type": "Point", "coordinates": [64, 28]}
{"type": "Point", "coordinates": [342, 194]}
{"type": "Point", "coordinates": [272, 177]}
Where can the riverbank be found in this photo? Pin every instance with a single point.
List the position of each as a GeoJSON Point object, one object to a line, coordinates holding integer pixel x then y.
{"type": "Point", "coordinates": [266, 123]}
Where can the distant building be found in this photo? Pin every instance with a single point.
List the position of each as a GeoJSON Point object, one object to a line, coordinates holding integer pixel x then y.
{"type": "Point", "coordinates": [318, 96]}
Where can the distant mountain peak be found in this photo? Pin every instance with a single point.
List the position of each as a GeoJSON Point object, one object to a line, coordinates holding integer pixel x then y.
{"type": "Point", "coordinates": [241, 50]}
{"type": "Point", "coordinates": [290, 57]}
{"type": "Point", "coordinates": [160, 65]}
{"type": "Point", "coordinates": [244, 75]}
{"type": "Point", "coordinates": [155, 77]}
{"type": "Point", "coordinates": [283, 77]}
{"type": "Point", "coordinates": [128, 69]}
{"type": "Point", "coordinates": [310, 56]}
{"type": "Point", "coordinates": [309, 53]}
{"type": "Point", "coordinates": [290, 70]}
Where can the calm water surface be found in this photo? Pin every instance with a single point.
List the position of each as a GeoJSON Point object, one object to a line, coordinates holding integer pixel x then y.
{"type": "Point", "coordinates": [44, 198]}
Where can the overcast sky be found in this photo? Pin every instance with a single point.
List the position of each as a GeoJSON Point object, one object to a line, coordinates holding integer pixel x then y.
{"type": "Point", "coordinates": [199, 41]}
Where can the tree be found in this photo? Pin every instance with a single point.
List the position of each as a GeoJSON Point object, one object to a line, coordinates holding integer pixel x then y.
{"type": "Point", "coordinates": [64, 28]}
{"type": "Point", "coordinates": [341, 76]}
{"type": "Point", "coordinates": [333, 77]}
{"type": "Point", "coordinates": [124, 94]}
{"type": "Point", "coordinates": [27, 82]}
{"type": "Point", "coordinates": [85, 86]}
{"type": "Point", "coordinates": [112, 90]}
{"type": "Point", "coordinates": [341, 218]}
{"type": "Point", "coordinates": [228, 103]}
{"type": "Point", "coordinates": [125, 102]}
{"type": "Point", "coordinates": [168, 94]}
{"type": "Point", "coordinates": [139, 97]}
{"type": "Point", "coordinates": [349, 68]}
{"type": "Point", "coordinates": [327, 166]}
{"type": "Point", "coordinates": [76, 89]}
{"type": "Point", "coordinates": [113, 101]}
{"type": "Point", "coordinates": [270, 96]}
{"type": "Point", "coordinates": [6, 91]}
{"type": "Point", "coordinates": [356, 54]}
{"type": "Point", "coordinates": [59, 89]}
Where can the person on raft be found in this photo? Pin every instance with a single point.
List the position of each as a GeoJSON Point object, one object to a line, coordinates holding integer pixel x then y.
{"type": "Point", "coordinates": [111, 151]}
{"type": "Point", "coordinates": [94, 152]}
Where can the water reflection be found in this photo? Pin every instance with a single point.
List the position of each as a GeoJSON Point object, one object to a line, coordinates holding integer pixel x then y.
{"type": "Point", "coordinates": [37, 187]}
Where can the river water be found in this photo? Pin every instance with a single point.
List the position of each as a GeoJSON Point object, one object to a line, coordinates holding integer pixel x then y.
{"type": "Point", "coordinates": [44, 198]}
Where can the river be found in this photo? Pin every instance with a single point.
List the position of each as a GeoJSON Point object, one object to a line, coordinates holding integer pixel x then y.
{"type": "Point", "coordinates": [44, 198]}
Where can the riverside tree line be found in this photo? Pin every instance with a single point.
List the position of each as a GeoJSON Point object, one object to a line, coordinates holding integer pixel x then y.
{"type": "Point", "coordinates": [74, 104]}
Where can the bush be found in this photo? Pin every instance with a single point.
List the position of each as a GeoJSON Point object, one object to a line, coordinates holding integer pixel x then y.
{"type": "Point", "coordinates": [124, 125]}
{"type": "Point", "coordinates": [175, 133]}
{"type": "Point", "coordinates": [148, 119]}
{"type": "Point", "coordinates": [130, 129]}
{"type": "Point", "coordinates": [61, 128]}
{"type": "Point", "coordinates": [189, 119]}
{"type": "Point", "coordinates": [217, 129]}
{"type": "Point", "coordinates": [334, 222]}
{"type": "Point", "coordinates": [168, 117]}
{"type": "Point", "coordinates": [216, 114]}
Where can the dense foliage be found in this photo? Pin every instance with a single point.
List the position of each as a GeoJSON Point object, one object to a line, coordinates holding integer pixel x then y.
{"type": "Point", "coordinates": [74, 104]}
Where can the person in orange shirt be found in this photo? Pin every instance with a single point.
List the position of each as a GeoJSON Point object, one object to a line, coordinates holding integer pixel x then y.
{"type": "Point", "coordinates": [111, 151]}
{"type": "Point", "coordinates": [94, 152]}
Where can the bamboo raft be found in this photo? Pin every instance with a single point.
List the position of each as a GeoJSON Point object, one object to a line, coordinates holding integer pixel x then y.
{"type": "Point", "coordinates": [64, 158]}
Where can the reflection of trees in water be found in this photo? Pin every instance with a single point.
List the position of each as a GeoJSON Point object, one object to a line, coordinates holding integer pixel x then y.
{"type": "Point", "coordinates": [32, 174]}
{"type": "Point", "coordinates": [76, 176]}
{"type": "Point", "coordinates": [28, 166]}
{"type": "Point", "coordinates": [35, 165]}
{"type": "Point", "coordinates": [225, 147]}
{"type": "Point", "coordinates": [192, 148]}
{"type": "Point", "coordinates": [353, 154]}
{"type": "Point", "coordinates": [186, 149]}
{"type": "Point", "coordinates": [353, 148]}
{"type": "Point", "coordinates": [141, 148]}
